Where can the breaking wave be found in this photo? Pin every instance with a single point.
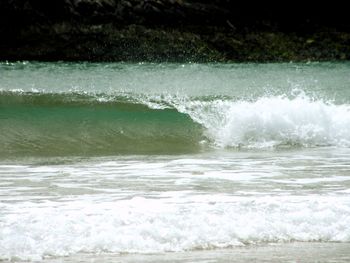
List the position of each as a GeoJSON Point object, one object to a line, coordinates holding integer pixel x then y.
{"type": "Point", "coordinates": [86, 124]}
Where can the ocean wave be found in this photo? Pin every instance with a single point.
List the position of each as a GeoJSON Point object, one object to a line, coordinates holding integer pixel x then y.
{"type": "Point", "coordinates": [99, 124]}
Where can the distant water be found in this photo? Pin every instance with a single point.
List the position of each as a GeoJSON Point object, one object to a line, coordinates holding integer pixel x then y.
{"type": "Point", "coordinates": [156, 160]}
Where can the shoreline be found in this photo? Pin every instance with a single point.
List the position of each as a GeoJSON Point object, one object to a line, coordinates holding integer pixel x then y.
{"type": "Point", "coordinates": [273, 252]}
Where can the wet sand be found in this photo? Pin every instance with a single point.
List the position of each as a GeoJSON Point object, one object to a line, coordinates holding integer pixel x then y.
{"type": "Point", "coordinates": [287, 252]}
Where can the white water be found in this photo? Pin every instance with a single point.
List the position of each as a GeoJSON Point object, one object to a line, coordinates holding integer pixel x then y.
{"type": "Point", "coordinates": [274, 121]}
{"type": "Point", "coordinates": [146, 225]}
{"type": "Point", "coordinates": [278, 172]}
{"type": "Point", "coordinates": [266, 122]}
{"type": "Point", "coordinates": [158, 204]}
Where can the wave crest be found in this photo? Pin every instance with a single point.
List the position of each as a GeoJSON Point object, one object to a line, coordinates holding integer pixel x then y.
{"type": "Point", "coordinates": [272, 122]}
{"type": "Point", "coordinates": [96, 124]}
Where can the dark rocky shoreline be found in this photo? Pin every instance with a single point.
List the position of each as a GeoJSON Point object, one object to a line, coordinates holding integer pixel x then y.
{"type": "Point", "coordinates": [172, 30]}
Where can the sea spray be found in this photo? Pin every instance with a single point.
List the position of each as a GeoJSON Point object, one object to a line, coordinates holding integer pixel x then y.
{"type": "Point", "coordinates": [111, 161]}
{"type": "Point", "coordinates": [97, 124]}
{"type": "Point", "coordinates": [275, 121]}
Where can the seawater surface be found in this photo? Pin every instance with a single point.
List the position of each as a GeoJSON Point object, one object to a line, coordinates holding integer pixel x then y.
{"type": "Point", "coordinates": [110, 162]}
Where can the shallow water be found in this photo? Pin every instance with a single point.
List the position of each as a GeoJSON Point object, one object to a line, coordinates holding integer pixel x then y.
{"type": "Point", "coordinates": [171, 162]}
{"type": "Point", "coordinates": [287, 252]}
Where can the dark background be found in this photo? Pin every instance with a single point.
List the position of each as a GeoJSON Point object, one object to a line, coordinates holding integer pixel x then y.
{"type": "Point", "coordinates": [173, 30]}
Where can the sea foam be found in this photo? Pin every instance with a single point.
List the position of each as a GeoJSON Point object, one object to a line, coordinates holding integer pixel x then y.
{"type": "Point", "coordinates": [33, 231]}
{"type": "Point", "coordinates": [276, 121]}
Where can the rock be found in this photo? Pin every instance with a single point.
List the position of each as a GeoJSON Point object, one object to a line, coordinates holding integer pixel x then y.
{"type": "Point", "coordinates": [169, 30]}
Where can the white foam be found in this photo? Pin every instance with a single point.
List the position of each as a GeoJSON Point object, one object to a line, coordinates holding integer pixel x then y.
{"type": "Point", "coordinates": [34, 231]}
{"type": "Point", "coordinates": [271, 121]}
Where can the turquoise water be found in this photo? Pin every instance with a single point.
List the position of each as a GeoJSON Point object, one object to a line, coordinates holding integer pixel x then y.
{"type": "Point", "coordinates": [109, 109]}
{"type": "Point", "coordinates": [104, 159]}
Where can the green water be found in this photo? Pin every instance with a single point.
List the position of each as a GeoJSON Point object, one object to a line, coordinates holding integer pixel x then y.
{"type": "Point", "coordinates": [91, 109]}
{"type": "Point", "coordinates": [328, 80]}
{"type": "Point", "coordinates": [109, 162]}
{"type": "Point", "coordinates": [56, 125]}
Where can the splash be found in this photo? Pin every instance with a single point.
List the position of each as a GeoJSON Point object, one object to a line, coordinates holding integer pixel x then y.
{"type": "Point", "coordinates": [58, 124]}
{"type": "Point", "coordinates": [276, 121]}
